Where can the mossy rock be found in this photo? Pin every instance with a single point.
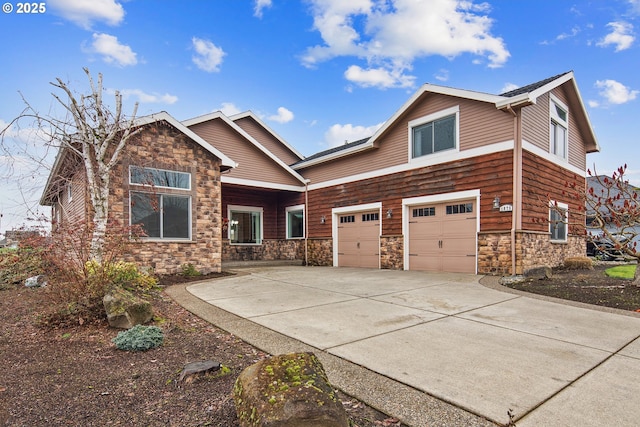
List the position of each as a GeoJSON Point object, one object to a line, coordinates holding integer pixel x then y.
{"type": "Point", "coordinates": [125, 310]}
{"type": "Point", "coordinates": [289, 390]}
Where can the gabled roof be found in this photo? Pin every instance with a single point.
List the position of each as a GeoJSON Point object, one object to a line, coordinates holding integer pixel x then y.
{"type": "Point", "coordinates": [50, 191]}
{"type": "Point", "coordinates": [250, 113]}
{"type": "Point", "coordinates": [221, 116]}
{"type": "Point", "coordinates": [525, 95]}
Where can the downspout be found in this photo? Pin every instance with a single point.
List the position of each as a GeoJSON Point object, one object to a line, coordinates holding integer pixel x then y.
{"type": "Point", "coordinates": [306, 222]}
{"type": "Point", "coordinates": [516, 214]}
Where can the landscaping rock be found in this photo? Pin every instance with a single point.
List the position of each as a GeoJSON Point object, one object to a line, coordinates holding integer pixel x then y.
{"type": "Point", "coordinates": [36, 281]}
{"type": "Point", "coordinates": [193, 370]}
{"type": "Point", "coordinates": [290, 390]}
{"type": "Point", "coordinates": [125, 310]}
{"type": "Point", "coordinates": [539, 273]}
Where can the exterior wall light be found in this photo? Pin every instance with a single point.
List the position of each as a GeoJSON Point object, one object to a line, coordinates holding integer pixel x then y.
{"type": "Point", "coordinates": [322, 219]}
{"type": "Point", "coordinates": [389, 213]}
{"type": "Point", "coordinates": [496, 202]}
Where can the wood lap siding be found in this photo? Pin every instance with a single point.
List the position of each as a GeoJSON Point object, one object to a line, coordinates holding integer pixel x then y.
{"type": "Point", "coordinates": [265, 138]}
{"type": "Point", "coordinates": [491, 174]}
{"type": "Point", "coordinates": [543, 181]}
{"type": "Point", "coordinates": [480, 125]}
{"type": "Point", "coordinates": [253, 164]}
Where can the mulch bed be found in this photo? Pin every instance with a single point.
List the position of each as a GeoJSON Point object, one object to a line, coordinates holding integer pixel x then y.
{"type": "Point", "coordinates": [587, 286]}
{"type": "Point", "coordinates": [75, 376]}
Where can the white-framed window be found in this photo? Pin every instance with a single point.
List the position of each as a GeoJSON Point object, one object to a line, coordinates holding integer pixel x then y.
{"type": "Point", "coordinates": [69, 192]}
{"type": "Point", "coordinates": [162, 216]}
{"type": "Point", "coordinates": [245, 225]}
{"type": "Point", "coordinates": [558, 221]}
{"type": "Point", "coordinates": [558, 127]}
{"type": "Point", "coordinates": [160, 202]}
{"type": "Point", "coordinates": [434, 133]}
{"type": "Point", "coordinates": [159, 178]}
{"type": "Point", "coordinates": [295, 222]}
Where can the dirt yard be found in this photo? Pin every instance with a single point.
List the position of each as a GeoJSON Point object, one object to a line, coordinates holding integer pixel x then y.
{"type": "Point", "coordinates": [75, 376]}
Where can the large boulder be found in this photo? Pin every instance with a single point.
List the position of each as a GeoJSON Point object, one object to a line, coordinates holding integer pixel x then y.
{"type": "Point", "coordinates": [289, 390]}
{"type": "Point", "coordinates": [125, 310]}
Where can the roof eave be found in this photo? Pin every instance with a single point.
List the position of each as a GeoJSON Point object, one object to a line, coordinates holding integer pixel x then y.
{"type": "Point", "coordinates": [332, 156]}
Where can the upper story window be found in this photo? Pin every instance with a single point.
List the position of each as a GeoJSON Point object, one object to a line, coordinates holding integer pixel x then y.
{"type": "Point", "coordinates": [558, 127]}
{"type": "Point", "coordinates": [434, 133]}
{"type": "Point", "coordinates": [159, 178]}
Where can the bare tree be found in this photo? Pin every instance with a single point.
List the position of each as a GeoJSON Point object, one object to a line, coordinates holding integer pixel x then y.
{"type": "Point", "coordinates": [96, 134]}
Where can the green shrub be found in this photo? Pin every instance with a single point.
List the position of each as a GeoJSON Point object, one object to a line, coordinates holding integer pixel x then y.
{"type": "Point", "coordinates": [139, 338]}
{"type": "Point", "coordinates": [188, 270]}
{"type": "Point", "coordinates": [120, 273]}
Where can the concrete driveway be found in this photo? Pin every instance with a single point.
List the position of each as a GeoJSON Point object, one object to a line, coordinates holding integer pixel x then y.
{"type": "Point", "coordinates": [445, 336]}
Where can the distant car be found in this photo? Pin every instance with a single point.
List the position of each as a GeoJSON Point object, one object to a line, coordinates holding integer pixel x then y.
{"type": "Point", "coordinates": [605, 249]}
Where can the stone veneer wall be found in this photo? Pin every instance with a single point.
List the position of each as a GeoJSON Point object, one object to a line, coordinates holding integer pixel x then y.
{"type": "Point", "coordinates": [269, 250]}
{"type": "Point", "coordinates": [534, 249]}
{"type": "Point", "coordinates": [320, 252]}
{"type": "Point", "coordinates": [392, 252]}
{"type": "Point", "coordinates": [163, 147]}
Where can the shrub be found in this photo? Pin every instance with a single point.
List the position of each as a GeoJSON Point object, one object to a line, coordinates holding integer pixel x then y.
{"type": "Point", "coordinates": [16, 265]}
{"type": "Point", "coordinates": [139, 338]}
{"type": "Point", "coordinates": [120, 274]}
{"type": "Point", "coordinates": [188, 270]}
{"type": "Point", "coordinates": [578, 263]}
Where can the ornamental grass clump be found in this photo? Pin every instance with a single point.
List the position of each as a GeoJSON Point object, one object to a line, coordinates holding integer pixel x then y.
{"type": "Point", "coordinates": [139, 338]}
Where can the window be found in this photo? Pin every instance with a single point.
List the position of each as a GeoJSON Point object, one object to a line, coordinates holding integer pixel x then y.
{"type": "Point", "coordinates": [347, 218]}
{"type": "Point", "coordinates": [558, 128]}
{"type": "Point", "coordinates": [295, 222]}
{"type": "Point", "coordinates": [460, 209]}
{"type": "Point", "coordinates": [430, 211]}
{"type": "Point", "coordinates": [434, 133]}
{"type": "Point", "coordinates": [245, 225]}
{"type": "Point", "coordinates": [370, 217]}
{"type": "Point", "coordinates": [558, 218]}
{"type": "Point", "coordinates": [69, 193]}
{"type": "Point", "coordinates": [159, 178]}
{"type": "Point", "coordinates": [162, 216]}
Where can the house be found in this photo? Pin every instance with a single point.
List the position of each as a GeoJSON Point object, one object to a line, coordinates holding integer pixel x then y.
{"type": "Point", "coordinates": [455, 180]}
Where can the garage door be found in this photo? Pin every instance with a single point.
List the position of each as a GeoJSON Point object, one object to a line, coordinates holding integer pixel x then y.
{"type": "Point", "coordinates": [442, 237]}
{"type": "Point", "coordinates": [359, 239]}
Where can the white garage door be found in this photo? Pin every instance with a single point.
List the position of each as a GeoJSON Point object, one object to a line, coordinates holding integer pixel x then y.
{"type": "Point", "coordinates": [359, 239]}
{"type": "Point", "coordinates": [442, 237]}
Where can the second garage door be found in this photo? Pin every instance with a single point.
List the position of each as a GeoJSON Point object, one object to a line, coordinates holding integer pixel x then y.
{"type": "Point", "coordinates": [442, 237]}
{"type": "Point", "coordinates": [359, 239]}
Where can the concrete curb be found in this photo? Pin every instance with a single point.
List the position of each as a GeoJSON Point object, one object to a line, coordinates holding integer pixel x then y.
{"type": "Point", "coordinates": [412, 407]}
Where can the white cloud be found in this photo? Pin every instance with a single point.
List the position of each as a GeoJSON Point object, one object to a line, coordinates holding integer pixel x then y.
{"type": "Point", "coordinates": [283, 116]}
{"type": "Point", "coordinates": [84, 13]}
{"type": "Point", "coordinates": [260, 5]}
{"type": "Point", "coordinates": [146, 98]}
{"type": "Point", "coordinates": [390, 35]}
{"type": "Point", "coordinates": [229, 109]}
{"type": "Point", "coordinates": [508, 87]}
{"type": "Point", "coordinates": [378, 77]}
{"type": "Point", "coordinates": [443, 75]}
{"type": "Point", "coordinates": [340, 134]}
{"type": "Point", "coordinates": [208, 56]}
{"type": "Point", "coordinates": [615, 92]}
{"type": "Point", "coordinates": [112, 51]}
{"type": "Point", "coordinates": [593, 103]}
{"type": "Point", "coordinates": [621, 37]}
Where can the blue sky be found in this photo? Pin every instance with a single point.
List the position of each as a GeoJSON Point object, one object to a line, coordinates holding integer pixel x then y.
{"type": "Point", "coordinates": [318, 72]}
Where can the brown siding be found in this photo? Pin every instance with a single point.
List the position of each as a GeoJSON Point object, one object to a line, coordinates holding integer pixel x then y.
{"type": "Point", "coordinates": [490, 173]}
{"type": "Point", "coordinates": [544, 181]}
{"type": "Point", "coordinates": [535, 126]}
{"type": "Point", "coordinates": [253, 163]}
{"type": "Point", "coordinates": [267, 140]}
{"type": "Point", "coordinates": [273, 203]}
{"type": "Point", "coordinates": [480, 125]}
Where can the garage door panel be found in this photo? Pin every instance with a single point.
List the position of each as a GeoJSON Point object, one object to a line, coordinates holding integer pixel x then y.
{"type": "Point", "coordinates": [359, 240]}
{"type": "Point", "coordinates": [442, 237]}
